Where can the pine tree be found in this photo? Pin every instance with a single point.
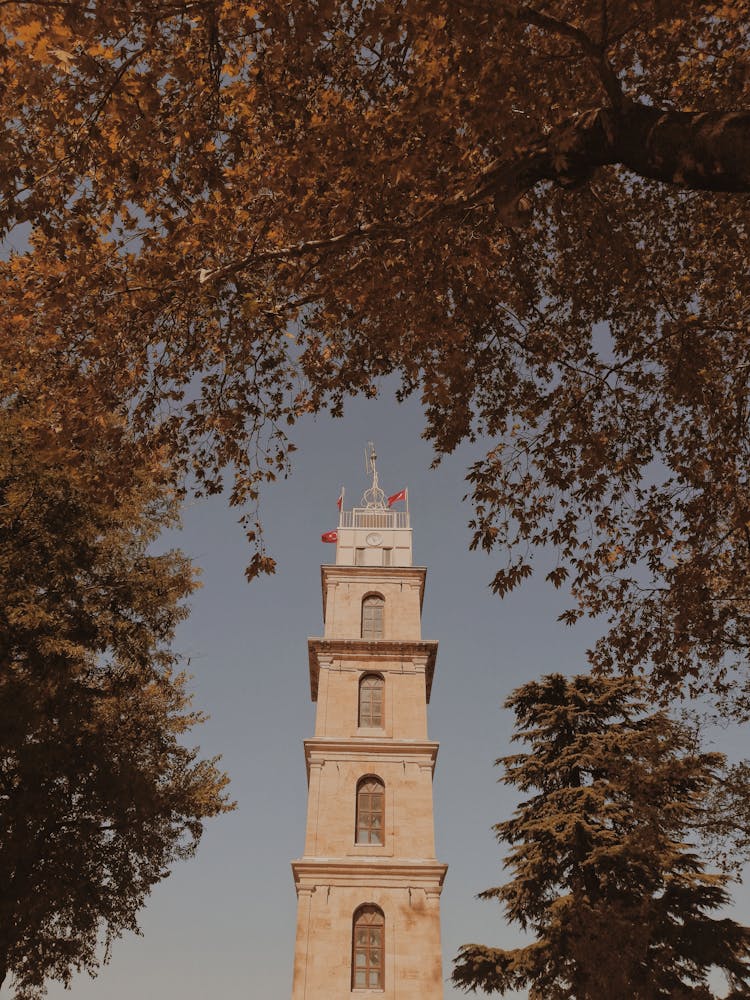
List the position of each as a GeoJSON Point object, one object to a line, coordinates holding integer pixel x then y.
{"type": "Point", "coordinates": [605, 877]}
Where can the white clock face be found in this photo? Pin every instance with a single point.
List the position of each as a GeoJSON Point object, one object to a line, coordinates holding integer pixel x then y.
{"type": "Point", "coordinates": [374, 538]}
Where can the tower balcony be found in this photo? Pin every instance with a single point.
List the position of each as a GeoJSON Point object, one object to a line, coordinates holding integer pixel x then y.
{"type": "Point", "coordinates": [370, 518]}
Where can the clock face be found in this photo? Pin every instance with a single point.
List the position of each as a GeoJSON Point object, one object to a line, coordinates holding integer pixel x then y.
{"type": "Point", "coordinates": [374, 538]}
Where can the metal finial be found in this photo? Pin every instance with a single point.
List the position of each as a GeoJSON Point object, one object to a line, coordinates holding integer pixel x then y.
{"type": "Point", "coordinates": [374, 496]}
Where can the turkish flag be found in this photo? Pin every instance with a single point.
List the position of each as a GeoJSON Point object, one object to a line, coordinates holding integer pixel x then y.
{"type": "Point", "coordinates": [340, 501]}
{"type": "Point", "coordinates": [401, 495]}
{"type": "Point", "coordinates": [330, 536]}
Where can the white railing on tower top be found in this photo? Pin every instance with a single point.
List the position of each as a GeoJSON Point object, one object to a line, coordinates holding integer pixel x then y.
{"type": "Point", "coordinates": [367, 517]}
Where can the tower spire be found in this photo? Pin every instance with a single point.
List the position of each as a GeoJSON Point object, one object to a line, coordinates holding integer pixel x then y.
{"type": "Point", "coordinates": [373, 498]}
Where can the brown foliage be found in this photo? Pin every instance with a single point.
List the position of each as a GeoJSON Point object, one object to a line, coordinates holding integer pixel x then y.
{"type": "Point", "coordinates": [536, 214]}
{"type": "Point", "coordinates": [99, 796]}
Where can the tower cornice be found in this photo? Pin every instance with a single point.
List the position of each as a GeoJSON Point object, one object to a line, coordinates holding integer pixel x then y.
{"type": "Point", "coordinates": [371, 748]}
{"type": "Point", "coordinates": [371, 650]}
{"type": "Point", "coordinates": [369, 872]}
{"type": "Point", "coordinates": [331, 573]}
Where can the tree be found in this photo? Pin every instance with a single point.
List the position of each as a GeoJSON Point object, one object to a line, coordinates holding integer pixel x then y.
{"type": "Point", "coordinates": [99, 796]}
{"type": "Point", "coordinates": [725, 823]}
{"type": "Point", "coordinates": [535, 213]}
{"type": "Point", "coordinates": [604, 875]}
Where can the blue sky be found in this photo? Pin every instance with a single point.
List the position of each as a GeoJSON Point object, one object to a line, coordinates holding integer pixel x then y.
{"type": "Point", "coordinates": [222, 926]}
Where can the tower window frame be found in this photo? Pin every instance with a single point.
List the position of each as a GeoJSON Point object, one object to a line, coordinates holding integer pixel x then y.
{"type": "Point", "coordinates": [372, 616]}
{"type": "Point", "coordinates": [371, 701]}
{"type": "Point", "coordinates": [368, 948]}
{"type": "Point", "coordinates": [370, 819]}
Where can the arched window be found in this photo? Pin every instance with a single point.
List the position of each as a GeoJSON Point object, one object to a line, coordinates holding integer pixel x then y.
{"type": "Point", "coordinates": [368, 958]}
{"type": "Point", "coordinates": [371, 687]}
{"type": "Point", "coordinates": [370, 810]}
{"type": "Point", "coordinates": [372, 616]}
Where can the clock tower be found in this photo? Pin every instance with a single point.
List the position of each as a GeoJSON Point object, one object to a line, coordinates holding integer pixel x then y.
{"type": "Point", "coordinates": [368, 885]}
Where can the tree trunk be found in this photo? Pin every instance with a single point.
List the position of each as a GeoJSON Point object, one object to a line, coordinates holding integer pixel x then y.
{"type": "Point", "coordinates": [701, 151]}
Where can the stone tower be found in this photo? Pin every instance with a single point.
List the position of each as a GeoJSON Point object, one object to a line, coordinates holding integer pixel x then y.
{"type": "Point", "coordinates": [368, 885]}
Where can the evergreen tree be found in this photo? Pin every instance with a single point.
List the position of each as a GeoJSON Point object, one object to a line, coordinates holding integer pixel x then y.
{"type": "Point", "coordinates": [604, 875]}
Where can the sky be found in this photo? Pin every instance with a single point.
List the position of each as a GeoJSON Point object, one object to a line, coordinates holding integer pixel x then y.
{"type": "Point", "coordinates": [223, 924]}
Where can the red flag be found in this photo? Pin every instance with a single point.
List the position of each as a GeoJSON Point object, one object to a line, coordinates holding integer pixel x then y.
{"type": "Point", "coordinates": [340, 500]}
{"type": "Point", "coordinates": [329, 536]}
{"type": "Point", "coordinates": [401, 495]}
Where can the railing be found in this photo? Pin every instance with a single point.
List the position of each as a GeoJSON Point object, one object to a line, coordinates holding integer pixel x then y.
{"type": "Point", "coordinates": [366, 517]}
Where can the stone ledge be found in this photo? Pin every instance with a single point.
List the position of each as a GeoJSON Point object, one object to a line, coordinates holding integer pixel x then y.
{"type": "Point", "coordinates": [414, 751]}
{"type": "Point", "coordinates": [380, 873]}
{"type": "Point", "coordinates": [333, 571]}
{"type": "Point", "coordinates": [373, 650]}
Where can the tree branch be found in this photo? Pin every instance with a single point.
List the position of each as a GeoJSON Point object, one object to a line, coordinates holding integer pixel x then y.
{"type": "Point", "coordinates": [597, 53]}
{"type": "Point", "coordinates": [699, 151]}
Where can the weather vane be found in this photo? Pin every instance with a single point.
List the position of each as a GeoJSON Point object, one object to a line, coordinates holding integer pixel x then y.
{"type": "Point", "coordinates": [373, 498]}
